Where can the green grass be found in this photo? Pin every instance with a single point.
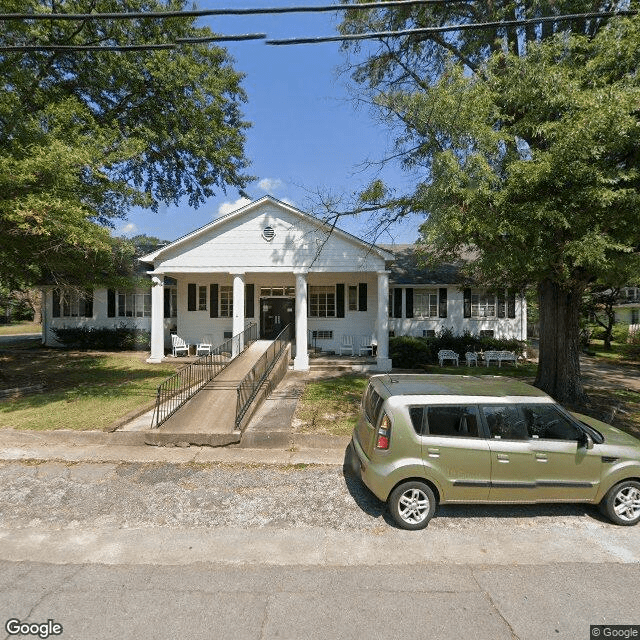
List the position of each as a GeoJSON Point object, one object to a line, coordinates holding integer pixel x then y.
{"type": "Point", "coordinates": [20, 328]}
{"type": "Point", "coordinates": [619, 354]}
{"type": "Point", "coordinates": [83, 391]}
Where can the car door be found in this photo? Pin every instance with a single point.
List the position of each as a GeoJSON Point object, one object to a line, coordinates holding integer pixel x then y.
{"type": "Point", "coordinates": [564, 468]}
{"type": "Point", "coordinates": [456, 452]}
{"type": "Point", "coordinates": [512, 468]}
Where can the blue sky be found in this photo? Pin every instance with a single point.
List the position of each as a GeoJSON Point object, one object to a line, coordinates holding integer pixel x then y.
{"type": "Point", "coordinates": [306, 134]}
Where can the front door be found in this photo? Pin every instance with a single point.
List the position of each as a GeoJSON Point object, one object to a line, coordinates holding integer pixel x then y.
{"type": "Point", "coordinates": [275, 315]}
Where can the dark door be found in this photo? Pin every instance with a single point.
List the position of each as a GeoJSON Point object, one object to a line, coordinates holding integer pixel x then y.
{"type": "Point", "coordinates": [275, 315]}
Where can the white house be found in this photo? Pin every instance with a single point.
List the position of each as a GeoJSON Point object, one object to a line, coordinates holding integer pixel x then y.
{"type": "Point", "coordinates": [274, 265]}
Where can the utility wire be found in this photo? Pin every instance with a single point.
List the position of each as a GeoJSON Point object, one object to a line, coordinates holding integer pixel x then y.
{"type": "Point", "coordinates": [452, 27]}
{"type": "Point", "coordinates": [200, 13]}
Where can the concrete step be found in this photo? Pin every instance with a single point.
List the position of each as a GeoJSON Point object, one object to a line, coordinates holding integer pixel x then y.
{"type": "Point", "coordinates": [164, 439]}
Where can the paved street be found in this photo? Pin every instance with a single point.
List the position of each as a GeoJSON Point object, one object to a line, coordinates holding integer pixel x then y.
{"type": "Point", "coordinates": [217, 550]}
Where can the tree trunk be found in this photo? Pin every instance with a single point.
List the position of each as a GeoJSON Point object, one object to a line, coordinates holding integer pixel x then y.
{"type": "Point", "coordinates": [559, 365]}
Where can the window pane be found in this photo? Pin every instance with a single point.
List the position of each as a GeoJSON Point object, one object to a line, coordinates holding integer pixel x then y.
{"type": "Point", "coordinates": [353, 298]}
{"type": "Point", "coordinates": [459, 421]}
{"type": "Point", "coordinates": [202, 298]}
{"type": "Point", "coordinates": [545, 421]}
{"type": "Point", "coordinates": [416, 414]}
{"type": "Point", "coordinates": [505, 423]}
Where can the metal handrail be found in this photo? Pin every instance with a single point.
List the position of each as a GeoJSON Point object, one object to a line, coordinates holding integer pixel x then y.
{"type": "Point", "coordinates": [177, 389]}
{"type": "Point", "coordinates": [250, 384]}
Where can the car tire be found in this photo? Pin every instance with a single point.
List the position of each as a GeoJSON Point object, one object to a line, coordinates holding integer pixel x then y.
{"type": "Point", "coordinates": [622, 503]}
{"type": "Point", "coordinates": [412, 504]}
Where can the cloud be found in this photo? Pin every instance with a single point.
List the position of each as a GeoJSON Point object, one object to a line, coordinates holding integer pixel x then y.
{"type": "Point", "coordinates": [270, 184]}
{"type": "Point", "coordinates": [228, 207]}
{"type": "Point", "coordinates": [128, 229]}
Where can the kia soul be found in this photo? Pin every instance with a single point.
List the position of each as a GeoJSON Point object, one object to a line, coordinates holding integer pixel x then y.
{"type": "Point", "coordinates": [424, 440]}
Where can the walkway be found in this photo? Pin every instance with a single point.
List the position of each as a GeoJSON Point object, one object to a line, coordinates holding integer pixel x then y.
{"type": "Point", "coordinates": [209, 417]}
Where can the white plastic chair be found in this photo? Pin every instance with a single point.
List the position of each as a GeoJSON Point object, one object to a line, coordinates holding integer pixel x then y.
{"type": "Point", "coordinates": [204, 346]}
{"type": "Point", "coordinates": [366, 346]}
{"type": "Point", "coordinates": [178, 345]}
{"type": "Point", "coordinates": [346, 345]}
{"type": "Point", "coordinates": [471, 358]}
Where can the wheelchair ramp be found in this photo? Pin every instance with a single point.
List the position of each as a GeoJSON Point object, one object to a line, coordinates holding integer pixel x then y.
{"type": "Point", "coordinates": [209, 417]}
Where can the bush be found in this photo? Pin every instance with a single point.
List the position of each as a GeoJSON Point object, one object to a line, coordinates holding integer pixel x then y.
{"type": "Point", "coordinates": [412, 353]}
{"type": "Point", "coordinates": [120, 338]}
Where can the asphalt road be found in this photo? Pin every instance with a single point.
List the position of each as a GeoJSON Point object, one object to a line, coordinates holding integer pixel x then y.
{"type": "Point", "coordinates": [163, 550]}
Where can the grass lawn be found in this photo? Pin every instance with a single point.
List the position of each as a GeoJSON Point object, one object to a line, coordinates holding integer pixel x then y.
{"type": "Point", "coordinates": [17, 329]}
{"type": "Point", "coordinates": [331, 406]}
{"type": "Point", "coordinates": [82, 390]}
{"type": "Point", "coordinates": [619, 354]}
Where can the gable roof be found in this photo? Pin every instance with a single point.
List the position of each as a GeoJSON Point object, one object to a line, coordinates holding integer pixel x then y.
{"type": "Point", "coordinates": [408, 268]}
{"type": "Point", "coordinates": [243, 211]}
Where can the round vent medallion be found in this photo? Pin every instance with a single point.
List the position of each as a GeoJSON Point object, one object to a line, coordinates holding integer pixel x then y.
{"type": "Point", "coordinates": [268, 233]}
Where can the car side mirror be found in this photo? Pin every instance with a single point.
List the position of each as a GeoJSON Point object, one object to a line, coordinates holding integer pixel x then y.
{"type": "Point", "coordinates": [587, 441]}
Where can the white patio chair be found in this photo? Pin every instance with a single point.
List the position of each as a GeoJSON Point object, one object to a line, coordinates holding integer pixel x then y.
{"type": "Point", "coordinates": [447, 354]}
{"type": "Point", "coordinates": [471, 358]}
{"type": "Point", "coordinates": [346, 344]}
{"type": "Point", "coordinates": [366, 346]}
{"type": "Point", "coordinates": [204, 347]}
{"type": "Point", "coordinates": [178, 345]}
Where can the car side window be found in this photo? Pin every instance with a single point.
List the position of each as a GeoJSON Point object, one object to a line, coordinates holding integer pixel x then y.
{"type": "Point", "coordinates": [372, 405]}
{"type": "Point", "coordinates": [417, 415]}
{"type": "Point", "coordinates": [459, 420]}
{"type": "Point", "coordinates": [544, 421]}
{"type": "Point", "coordinates": [505, 422]}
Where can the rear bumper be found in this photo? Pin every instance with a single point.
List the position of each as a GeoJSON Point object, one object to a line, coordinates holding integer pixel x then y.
{"type": "Point", "coordinates": [363, 469]}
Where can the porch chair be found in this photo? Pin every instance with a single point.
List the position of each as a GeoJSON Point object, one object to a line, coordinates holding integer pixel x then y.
{"type": "Point", "coordinates": [346, 344]}
{"type": "Point", "coordinates": [204, 346]}
{"type": "Point", "coordinates": [178, 345]}
{"type": "Point", "coordinates": [366, 346]}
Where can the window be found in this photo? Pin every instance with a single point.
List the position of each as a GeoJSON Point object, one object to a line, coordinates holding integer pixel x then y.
{"type": "Point", "coordinates": [459, 421]}
{"type": "Point", "coordinates": [322, 335]}
{"type": "Point", "coordinates": [505, 422]}
{"type": "Point", "coordinates": [226, 302]}
{"type": "Point", "coordinates": [134, 305]}
{"type": "Point", "coordinates": [71, 303]}
{"type": "Point", "coordinates": [170, 302]}
{"type": "Point", "coordinates": [353, 297]}
{"type": "Point", "coordinates": [483, 305]}
{"type": "Point", "coordinates": [322, 302]}
{"type": "Point", "coordinates": [425, 303]}
{"type": "Point", "coordinates": [546, 422]}
{"type": "Point", "coordinates": [372, 405]}
{"type": "Point", "coordinates": [635, 316]}
{"type": "Point", "coordinates": [202, 298]}
{"type": "Point", "coordinates": [273, 292]}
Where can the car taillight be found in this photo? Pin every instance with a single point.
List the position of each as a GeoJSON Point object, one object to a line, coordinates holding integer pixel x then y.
{"type": "Point", "coordinates": [384, 433]}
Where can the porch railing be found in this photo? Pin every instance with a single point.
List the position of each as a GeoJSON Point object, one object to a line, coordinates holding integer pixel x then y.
{"type": "Point", "coordinates": [250, 384]}
{"type": "Point", "coordinates": [185, 383]}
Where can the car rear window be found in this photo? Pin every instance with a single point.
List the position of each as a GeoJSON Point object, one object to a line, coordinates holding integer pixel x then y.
{"type": "Point", "coordinates": [372, 405]}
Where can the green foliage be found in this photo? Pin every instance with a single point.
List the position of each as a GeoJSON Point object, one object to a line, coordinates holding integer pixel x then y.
{"type": "Point", "coordinates": [121, 338]}
{"type": "Point", "coordinates": [412, 353]}
{"type": "Point", "coordinates": [84, 136]}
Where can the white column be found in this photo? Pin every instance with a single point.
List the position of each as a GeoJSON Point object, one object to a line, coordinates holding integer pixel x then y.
{"type": "Point", "coordinates": [238, 311]}
{"type": "Point", "coordinates": [301, 361]}
{"type": "Point", "coordinates": [157, 319]}
{"type": "Point", "coordinates": [383, 362]}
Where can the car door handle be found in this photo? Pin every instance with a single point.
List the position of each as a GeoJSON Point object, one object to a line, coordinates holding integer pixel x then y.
{"type": "Point", "coordinates": [542, 457]}
{"type": "Point", "coordinates": [502, 457]}
{"type": "Point", "coordinates": [433, 452]}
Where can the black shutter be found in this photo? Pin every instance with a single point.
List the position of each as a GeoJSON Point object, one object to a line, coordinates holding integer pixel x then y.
{"type": "Point", "coordinates": [362, 296]}
{"type": "Point", "coordinates": [191, 297]}
{"type": "Point", "coordinates": [442, 302]}
{"type": "Point", "coordinates": [167, 302]}
{"type": "Point", "coordinates": [397, 303]}
{"type": "Point", "coordinates": [111, 303]}
{"type": "Point", "coordinates": [88, 303]}
{"type": "Point", "coordinates": [213, 301]}
{"type": "Point", "coordinates": [340, 301]}
{"type": "Point", "coordinates": [249, 306]}
{"type": "Point", "coordinates": [467, 303]}
{"type": "Point", "coordinates": [511, 304]}
{"type": "Point", "coordinates": [56, 303]}
{"type": "Point", "coordinates": [409, 302]}
{"type": "Point", "coordinates": [502, 311]}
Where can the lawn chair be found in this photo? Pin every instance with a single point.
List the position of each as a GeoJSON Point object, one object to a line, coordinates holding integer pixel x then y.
{"type": "Point", "coordinates": [178, 345]}
{"type": "Point", "coordinates": [346, 344]}
{"type": "Point", "coordinates": [447, 354]}
{"type": "Point", "coordinates": [204, 347]}
{"type": "Point", "coordinates": [471, 358]}
{"type": "Point", "coordinates": [366, 346]}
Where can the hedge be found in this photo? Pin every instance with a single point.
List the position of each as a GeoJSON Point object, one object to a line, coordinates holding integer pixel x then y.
{"type": "Point", "coordinates": [121, 338]}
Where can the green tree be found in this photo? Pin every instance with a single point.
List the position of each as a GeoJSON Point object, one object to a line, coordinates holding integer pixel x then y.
{"type": "Point", "coordinates": [530, 159]}
{"type": "Point", "coordinates": [86, 135]}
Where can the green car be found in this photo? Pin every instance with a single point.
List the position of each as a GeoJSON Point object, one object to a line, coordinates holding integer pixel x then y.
{"type": "Point", "coordinates": [428, 439]}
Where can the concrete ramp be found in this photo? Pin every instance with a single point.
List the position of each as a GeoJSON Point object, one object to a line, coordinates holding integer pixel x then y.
{"type": "Point", "coordinates": [209, 417]}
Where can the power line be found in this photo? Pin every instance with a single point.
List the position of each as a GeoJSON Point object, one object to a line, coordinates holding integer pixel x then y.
{"type": "Point", "coordinates": [452, 27]}
{"type": "Point", "coordinates": [201, 13]}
